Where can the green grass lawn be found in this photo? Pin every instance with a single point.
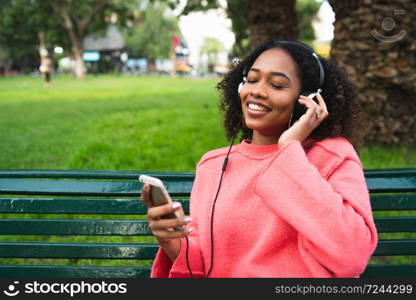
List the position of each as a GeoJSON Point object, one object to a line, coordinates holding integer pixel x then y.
{"type": "Point", "coordinates": [108, 122]}
{"type": "Point", "coordinates": [124, 123]}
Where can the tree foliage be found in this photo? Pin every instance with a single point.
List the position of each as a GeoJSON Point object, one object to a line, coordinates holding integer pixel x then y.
{"type": "Point", "coordinates": [237, 11]}
{"type": "Point", "coordinates": [20, 22]}
{"type": "Point", "coordinates": [211, 47]}
{"type": "Point", "coordinates": [151, 34]}
{"type": "Point", "coordinates": [306, 11]}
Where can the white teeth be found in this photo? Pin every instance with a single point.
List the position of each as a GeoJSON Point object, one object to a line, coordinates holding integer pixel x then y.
{"type": "Point", "coordinates": [257, 107]}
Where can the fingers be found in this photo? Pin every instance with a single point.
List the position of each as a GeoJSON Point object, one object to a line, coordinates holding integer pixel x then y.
{"type": "Point", "coordinates": [308, 102]}
{"type": "Point", "coordinates": [158, 211]}
{"type": "Point", "coordinates": [316, 111]}
{"type": "Point", "coordinates": [322, 105]}
{"type": "Point", "coordinates": [164, 234]}
{"type": "Point", "coordinates": [165, 224]}
{"type": "Point", "coordinates": [168, 228]}
{"type": "Point", "coordinates": [173, 225]}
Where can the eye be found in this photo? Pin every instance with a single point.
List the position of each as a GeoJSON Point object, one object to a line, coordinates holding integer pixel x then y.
{"type": "Point", "coordinates": [250, 80]}
{"type": "Point", "coordinates": [278, 87]}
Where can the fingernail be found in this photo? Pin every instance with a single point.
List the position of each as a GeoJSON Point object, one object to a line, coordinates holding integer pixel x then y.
{"type": "Point", "coordinates": [188, 230]}
{"type": "Point", "coordinates": [187, 220]}
{"type": "Point", "coordinates": [176, 205]}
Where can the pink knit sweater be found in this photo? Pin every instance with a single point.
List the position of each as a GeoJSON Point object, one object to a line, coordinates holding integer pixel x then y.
{"type": "Point", "coordinates": [300, 211]}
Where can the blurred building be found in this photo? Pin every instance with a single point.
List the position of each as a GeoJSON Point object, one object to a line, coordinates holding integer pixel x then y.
{"type": "Point", "coordinates": [180, 54]}
{"type": "Point", "coordinates": [105, 52]}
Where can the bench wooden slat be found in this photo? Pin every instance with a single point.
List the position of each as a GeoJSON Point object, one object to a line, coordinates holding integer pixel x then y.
{"type": "Point", "coordinates": [393, 202]}
{"type": "Point", "coordinates": [396, 247]}
{"type": "Point", "coordinates": [374, 173]}
{"type": "Point", "coordinates": [73, 272]}
{"type": "Point", "coordinates": [74, 227]}
{"type": "Point", "coordinates": [84, 188]}
{"type": "Point", "coordinates": [396, 224]}
{"type": "Point", "coordinates": [404, 270]}
{"type": "Point", "coordinates": [77, 250]}
{"type": "Point", "coordinates": [102, 174]}
{"type": "Point", "coordinates": [140, 228]}
{"type": "Point", "coordinates": [86, 205]}
{"type": "Point", "coordinates": [391, 180]}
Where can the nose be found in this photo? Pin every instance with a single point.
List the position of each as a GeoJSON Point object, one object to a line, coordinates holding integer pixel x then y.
{"type": "Point", "coordinates": [259, 90]}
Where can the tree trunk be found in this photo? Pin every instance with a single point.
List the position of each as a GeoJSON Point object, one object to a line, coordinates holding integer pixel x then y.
{"type": "Point", "coordinates": [373, 42]}
{"type": "Point", "coordinates": [77, 29]}
{"type": "Point", "coordinates": [272, 20]}
{"type": "Point", "coordinates": [151, 65]}
{"type": "Point", "coordinates": [77, 42]}
{"type": "Point", "coordinates": [237, 12]}
{"type": "Point", "coordinates": [43, 52]}
{"type": "Point", "coordinates": [77, 51]}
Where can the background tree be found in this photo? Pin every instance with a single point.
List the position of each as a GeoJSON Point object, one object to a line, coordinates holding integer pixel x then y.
{"type": "Point", "coordinates": [272, 20]}
{"type": "Point", "coordinates": [374, 42]}
{"type": "Point", "coordinates": [20, 24]}
{"type": "Point", "coordinates": [82, 17]}
{"type": "Point", "coordinates": [256, 21]}
{"type": "Point", "coordinates": [151, 34]}
{"type": "Point", "coordinates": [64, 21]}
{"type": "Point", "coordinates": [211, 47]}
{"type": "Point", "coordinates": [306, 11]}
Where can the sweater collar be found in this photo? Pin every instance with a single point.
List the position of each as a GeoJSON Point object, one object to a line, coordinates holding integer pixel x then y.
{"type": "Point", "coordinates": [256, 151]}
{"type": "Point", "coordinates": [263, 151]}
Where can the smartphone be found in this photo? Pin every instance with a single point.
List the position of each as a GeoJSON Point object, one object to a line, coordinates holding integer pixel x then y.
{"type": "Point", "coordinates": [160, 196]}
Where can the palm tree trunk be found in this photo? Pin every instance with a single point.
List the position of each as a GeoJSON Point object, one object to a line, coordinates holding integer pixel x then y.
{"type": "Point", "coordinates": [373, 42]}
{"type": "Point", "coordinates": [272, 20]}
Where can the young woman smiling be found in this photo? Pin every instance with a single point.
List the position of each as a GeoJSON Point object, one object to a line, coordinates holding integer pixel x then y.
{"type": "Point", "coordinates": [291, 199]}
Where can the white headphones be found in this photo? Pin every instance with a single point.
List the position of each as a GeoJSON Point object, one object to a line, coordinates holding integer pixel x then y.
{"type": "Point", "coordinates": [240, 86]}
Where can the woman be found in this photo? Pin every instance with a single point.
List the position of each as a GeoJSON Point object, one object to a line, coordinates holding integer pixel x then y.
{"type": "Point", "coordinates": [292, 201]}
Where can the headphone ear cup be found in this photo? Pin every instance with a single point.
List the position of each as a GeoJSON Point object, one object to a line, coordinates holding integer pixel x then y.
{"type": "Point", "coordinates": [240, 86]}
{"type": "Point", "coordinates": [307, 93]}
{"type": "Point", "coordinates": [298, 111]}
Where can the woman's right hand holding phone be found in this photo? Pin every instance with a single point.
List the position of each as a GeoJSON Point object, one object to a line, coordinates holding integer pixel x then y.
{"type": "Point", "coordinates": [163, 229]}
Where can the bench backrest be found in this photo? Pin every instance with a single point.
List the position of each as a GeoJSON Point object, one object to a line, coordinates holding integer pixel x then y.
{"type": "Point", "coordinates": [32, 201]}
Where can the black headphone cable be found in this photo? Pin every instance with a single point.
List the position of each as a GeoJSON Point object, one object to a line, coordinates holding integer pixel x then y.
{"type": "Point", "coordinates": [224, 166]}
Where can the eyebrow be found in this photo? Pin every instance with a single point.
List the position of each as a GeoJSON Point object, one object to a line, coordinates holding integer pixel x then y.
{"type": "Point", "coordinates": [273, 73]}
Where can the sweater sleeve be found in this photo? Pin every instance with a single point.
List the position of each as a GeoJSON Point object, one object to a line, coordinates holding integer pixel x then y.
{"type": "Point", "coordinates": [163, 267]}
{"type": "Point", "coordinates": [332, 215]}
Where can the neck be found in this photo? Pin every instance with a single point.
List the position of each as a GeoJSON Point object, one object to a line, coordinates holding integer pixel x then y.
{"type": "Point", "coordinates": [259, 139]}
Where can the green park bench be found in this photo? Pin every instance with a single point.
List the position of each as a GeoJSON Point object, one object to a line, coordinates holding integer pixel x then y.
{"type": "Point", "coordinates": [27, 195]}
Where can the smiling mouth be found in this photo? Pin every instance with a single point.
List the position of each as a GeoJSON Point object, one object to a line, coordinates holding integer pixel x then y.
{"type": "Point", "coordinates": [257, 108]}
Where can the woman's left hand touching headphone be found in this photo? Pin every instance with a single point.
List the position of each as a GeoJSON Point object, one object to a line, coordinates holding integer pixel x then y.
{"type": "Point", "coordinates": [303, 127]}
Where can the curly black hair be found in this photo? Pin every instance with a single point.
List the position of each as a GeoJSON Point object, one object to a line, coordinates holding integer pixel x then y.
{"type": "Point", "coordinates": [345, 116]}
